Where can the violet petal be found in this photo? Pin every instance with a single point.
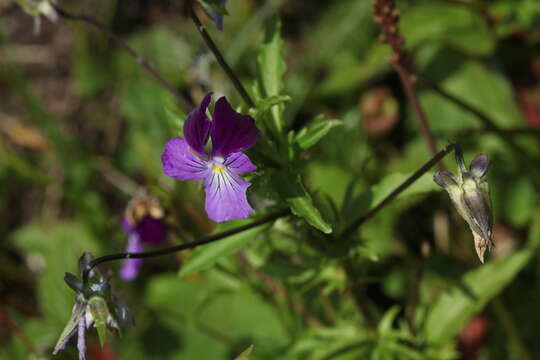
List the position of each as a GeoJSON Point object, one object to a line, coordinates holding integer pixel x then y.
{"type": "Point", "coordinates": [151, 231]}
{"type": "Point", "coordinates": [180, 163]}
{"type": "Point", "coordinates": [231, 132]}
{"type": "Point", "coordinates": [197, 126]}
{"type": "Point", "coordinates": [239, 163]}
{"type": "Point", "coordinates": [226, 196]}
{"type": "Point", "coordinates": [479, 166]}
{"type": "Point", "coordinates": [130, 268]}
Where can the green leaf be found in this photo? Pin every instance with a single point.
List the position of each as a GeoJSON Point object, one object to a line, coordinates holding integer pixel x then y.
{"type": "Point", "coordinates": [294, 193]}
{"type": "Point", "coordinates": [245, 354]}
{"type": "Point", "coordinates": [265, 104]}
{"type": "Point", "coordinates": [311, 135]}
{"type": "Point", "coordinates": [59, 246]}
{"type": "Point", "coordinates": [455, 306]}
{"type": "Point", "coordinates": [444, 23]}
{"type": "Point", "coordinates": [206, 256]}
{"type": "Point", "coordinates": [271, 68]}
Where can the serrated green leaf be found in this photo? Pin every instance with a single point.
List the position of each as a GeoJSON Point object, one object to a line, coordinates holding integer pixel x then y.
{"type": "Point", "coordinates": [455, 306]}
{"type": "Point", "coordinates": [206, 256]}
{"type": "Point", "coordinates": [271, 68]}
{"type": "Point", "coordinates": [294, 193]}
{"type": "Point", "coordinates": [245, 354]}
{"type": "Point", "coordinates": [311, 135]}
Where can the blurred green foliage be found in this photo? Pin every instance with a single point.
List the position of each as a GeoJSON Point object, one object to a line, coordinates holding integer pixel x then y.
{"type": "Point", "coordinates": [82, 125]}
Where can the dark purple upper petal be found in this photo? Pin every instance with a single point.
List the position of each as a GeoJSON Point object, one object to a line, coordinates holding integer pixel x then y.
{"type": "Point", "coordinates": [152, 231]}
{"type": "Point", "coordinates": [197, 126]}
{"type": "Point", "coordinates": [231, 132]}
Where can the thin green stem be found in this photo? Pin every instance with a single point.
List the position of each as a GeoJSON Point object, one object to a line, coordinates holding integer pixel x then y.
{"type": "Point", "coordinates": [191, 245]}
{"type": "Point", "coordinates": [410, 180]}
{"type": "Point", "coordinates": [220, 59]}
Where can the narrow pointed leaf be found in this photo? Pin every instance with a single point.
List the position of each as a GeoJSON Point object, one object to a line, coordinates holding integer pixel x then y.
{"type": "Point", "coordinates": [294, 193]}
{"type": "Point", "coordinates": [245, 354]}
{"type": "Point", "coordinates": [271, 68]}
{"type": "Point", "coordinates": [310, 136]}
{"type": "Point", "coordinates": [205, 257]}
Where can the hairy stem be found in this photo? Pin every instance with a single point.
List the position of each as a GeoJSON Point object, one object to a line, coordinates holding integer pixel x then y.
{"type": "Point", "coordinates": [184, 101]}
{"type": "Point", "coordinates": [408, 182]}
{"type": "Point", "coordinates": [191, 245]}
{"type": "Point", "coordinates": [220, 59]}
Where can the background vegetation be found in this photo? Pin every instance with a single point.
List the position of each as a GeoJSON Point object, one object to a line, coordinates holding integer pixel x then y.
{"type": "Point", "coordinates": [82, 126]}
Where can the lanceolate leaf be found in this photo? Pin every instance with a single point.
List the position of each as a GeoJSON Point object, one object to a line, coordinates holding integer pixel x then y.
{"type": "Point", "coordinates": [310, 136]}
{"type": "Point", "coordinates": [455, 306]}
{"type": "Point", "coordinates": [206, 256]}
{"type": "Point", "coordinates": [271, 68]}
{"type": "Point", "coordinates": [294, 193]}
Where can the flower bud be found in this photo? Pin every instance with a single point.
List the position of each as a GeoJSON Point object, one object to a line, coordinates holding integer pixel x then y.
{"type": "Point", "coordinates": [469, 193]}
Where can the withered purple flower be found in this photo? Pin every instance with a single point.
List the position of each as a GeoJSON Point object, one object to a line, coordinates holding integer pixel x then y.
{"type": "Point", "coordinates": [470, 194]}
{"type": "Point", "coordinates": [95, 305]}
{"type": "Point", "coordinates": [213, 151]}
{"type": "Point", "coordinates": [143, 221]}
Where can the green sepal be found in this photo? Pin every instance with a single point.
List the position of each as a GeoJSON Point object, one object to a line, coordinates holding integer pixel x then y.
{"type": "Point", "coordinates": [100, 313]}
{"type": "Point", "coordinates": [78, 312]}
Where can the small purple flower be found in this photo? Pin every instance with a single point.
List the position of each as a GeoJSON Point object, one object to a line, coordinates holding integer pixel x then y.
{"type": "Point", "coordinates": [219, 161]}
{"type": "Point", "coordinates": [143, 222]}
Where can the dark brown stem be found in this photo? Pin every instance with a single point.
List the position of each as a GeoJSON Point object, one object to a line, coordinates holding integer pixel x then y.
{"type": "Point", "coordinates": [184, 101]}
{"type": "Point", "coordinates": [410, 180]}
{"type": "Point", "coordinates": [191, 245]}
{"type": "Point", "coordinates": [220, 59]}
{"type": "Point", "coordinates": [12, 327]}
{"type": "Point", "coordinates": [387, 18]}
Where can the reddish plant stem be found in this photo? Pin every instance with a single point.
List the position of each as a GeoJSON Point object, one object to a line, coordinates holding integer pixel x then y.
{"type": "Point", "coordinates": [387, 18]}
{"type": "Point", "coordinates": [8, 324]}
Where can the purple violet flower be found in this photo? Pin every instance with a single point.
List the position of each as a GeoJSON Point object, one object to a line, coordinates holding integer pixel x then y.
{"type": "Point", "coordinates": [219, 165]}
{"type": "Point", "coordinates": [143, 222]}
